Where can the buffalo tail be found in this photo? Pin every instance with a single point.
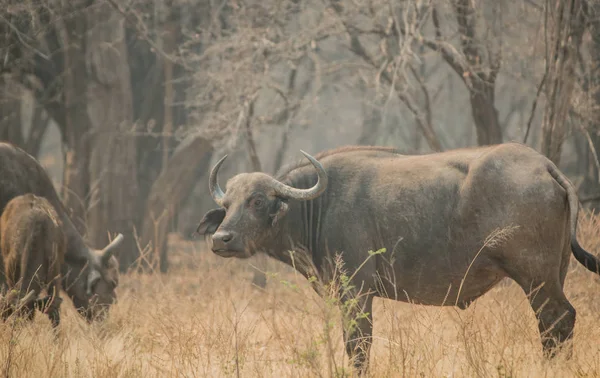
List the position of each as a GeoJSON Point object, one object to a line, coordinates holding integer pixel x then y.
{"type": "Point", "coordinates": [585, 258]}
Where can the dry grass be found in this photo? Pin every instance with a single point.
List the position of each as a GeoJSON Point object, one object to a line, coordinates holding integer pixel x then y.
{"type": "Point", "coordinates": [204, 319]}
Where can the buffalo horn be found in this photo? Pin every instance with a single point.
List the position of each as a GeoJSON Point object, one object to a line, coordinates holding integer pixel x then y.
{"type": "Point", "coordinates": [215, 190]}
{"type": "Point", "coordinates": [108, 251]}
{"type": "Point", "coordinates": [304, 194]}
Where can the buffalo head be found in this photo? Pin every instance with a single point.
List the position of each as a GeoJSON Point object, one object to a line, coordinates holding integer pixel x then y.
{"type": "Point", "coordinates": [251, 209]}
{"type": "Point", "coordinates": [92, 285]}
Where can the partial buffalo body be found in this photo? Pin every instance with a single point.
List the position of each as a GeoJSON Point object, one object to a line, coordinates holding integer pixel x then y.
{"type": "Point", "coordinates": [32, 243]}
{"type": "Point", "coordinates": [89, 276]}
{"type": "Point", "coordinates": [453, 225]}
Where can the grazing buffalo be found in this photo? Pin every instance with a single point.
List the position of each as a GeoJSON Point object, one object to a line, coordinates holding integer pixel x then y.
{"type": "Point", "coordinates": [32, 243]}
{"type": "Point", "coordinates": [89, 276]}
{"type": "Point", "coordinates": [453, 225]}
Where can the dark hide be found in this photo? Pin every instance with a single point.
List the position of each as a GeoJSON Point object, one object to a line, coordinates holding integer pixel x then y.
{"type": "Point", "coordinates": [453, 225]}
{"type": "Point", "coordinates": [32, 243]}
{"type": "Point", "coordinates": [87, 274]}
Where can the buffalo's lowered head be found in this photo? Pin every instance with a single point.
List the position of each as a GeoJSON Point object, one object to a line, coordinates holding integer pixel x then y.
{"type": "Point", "coordinates": [251, 210]}
{"type": "Point", "coordinates": [92, 286]}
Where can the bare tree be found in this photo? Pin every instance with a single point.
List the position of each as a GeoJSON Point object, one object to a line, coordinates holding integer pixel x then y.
{"type": "Point", "coordinates": [392, 61]}
{"type": "Point", "coordinates": [564, 32]}
{"type": "Point", "coordinates": [172, 187]}
{"type": "Point", "coordinates": [114, 153]}
{"type": "Point", "coordinates": [477, 64]}
{"type": "Point", "coordinates": [586, 108]}
{"type": "Point", "coordinates": [13, 127]}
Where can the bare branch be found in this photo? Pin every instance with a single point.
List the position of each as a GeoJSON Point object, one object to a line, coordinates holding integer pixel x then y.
{"type": "Point", "coordinates": [22, 38]}
{"type": "Point", "coordinates": [423, 122]}
{"type": "Point", "coordinates": [534, 104]}
{"type": "Point", "coordinates": [134, 19]}
{"type": "Point", "coordinates": [448, 52]}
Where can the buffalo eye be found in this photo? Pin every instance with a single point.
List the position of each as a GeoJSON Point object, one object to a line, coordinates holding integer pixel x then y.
{"type": "Point", "coordinates": [257, 202]}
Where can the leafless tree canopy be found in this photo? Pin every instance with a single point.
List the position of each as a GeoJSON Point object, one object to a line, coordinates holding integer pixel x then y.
{"type": "Point", "coordinates": [127, 103]}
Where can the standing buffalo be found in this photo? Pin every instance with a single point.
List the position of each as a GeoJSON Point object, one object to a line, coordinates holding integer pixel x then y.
{"type": "Point", "coordinates": [32, 243]}
{"type": "Point", "coordinates": [432, 213]}
{"type": "Point", "coordinates": [89, 276]}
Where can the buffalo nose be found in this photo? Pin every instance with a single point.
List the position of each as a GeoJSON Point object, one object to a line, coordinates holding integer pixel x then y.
{"type": "Point", "coordinates": [221, 238]}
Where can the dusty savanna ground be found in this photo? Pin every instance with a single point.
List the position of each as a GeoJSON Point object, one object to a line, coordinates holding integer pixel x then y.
{"type": "Point", "coordinates": [205, 319]}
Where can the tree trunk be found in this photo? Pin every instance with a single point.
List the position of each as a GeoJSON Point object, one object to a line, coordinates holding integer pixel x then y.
{"type": "Point", "coordinates": [35, 135]}
{"type": "Point", "coordinates": [173, 186]}
{"type": "Point", "coordinates": [480, 84]}
{"type": "Point", "coordinates": [591, 85]}
{"type": "Point", "coordinates": [12, 127]}
{"type": "Point", "coordinates": [73, 118]}
{"type": "Point", "coordinates": [565, 27]}
{"type": "Point", "coordinates": [148, 108]}
{"type": "Point", "coordinates": [113, 158]}
{"type": "Point", "coordinates": [478, 68]}
{"type": "Point", "coordinates": [10, 113]}
{"type": "Point", "coordinates": [484, 113]}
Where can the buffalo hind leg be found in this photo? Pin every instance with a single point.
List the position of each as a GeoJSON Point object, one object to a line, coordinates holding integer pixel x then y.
{"type": "Point", "coordinates": [358, 330]}
{"type": "Point", "coordinates": [555, 315]}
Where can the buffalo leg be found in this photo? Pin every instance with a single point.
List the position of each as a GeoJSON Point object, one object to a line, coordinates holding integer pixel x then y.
{"type": "Point", "coordinates": [555, 315]}
{"type": "Point", "coordinates": [28, 273]}
{"type": "Point", "coordinates": [11, 273]}
{"type": "Point", "coordinates": [54, 310]}
{"type": "Point", "coordinates": [51, 305]}
{"type": "Point", "coordinates": [358, 330]}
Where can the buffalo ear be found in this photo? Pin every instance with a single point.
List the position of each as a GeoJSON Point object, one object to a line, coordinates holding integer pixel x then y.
{"type": "Point", "coordinates": [211, 221]}
{"type": "Point", "coordinates": [282, 209]}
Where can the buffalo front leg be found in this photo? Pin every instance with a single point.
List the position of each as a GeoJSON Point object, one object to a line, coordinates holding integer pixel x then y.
{"type": "Point", "coordinates": [51, 305]}
{"type": "Point", "coordinates": [54, 311]}
{"type": "Point", "coordinates": [358, 330]}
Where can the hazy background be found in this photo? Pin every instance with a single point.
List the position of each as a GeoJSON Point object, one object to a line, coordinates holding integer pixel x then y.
{"type": "Point", "coordinates": [128, 104]}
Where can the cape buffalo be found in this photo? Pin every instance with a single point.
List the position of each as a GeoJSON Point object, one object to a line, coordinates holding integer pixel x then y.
{"type": "Point", "coordinates": [433, 214]}
{"type": "Point", "coordinates": [32, 243]}
{"type": "Point", "coordinates": [89, 276]}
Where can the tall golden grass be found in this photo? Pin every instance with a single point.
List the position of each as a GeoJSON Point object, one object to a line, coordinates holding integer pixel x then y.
{"type": "Point", "coordinates": [204, 319]}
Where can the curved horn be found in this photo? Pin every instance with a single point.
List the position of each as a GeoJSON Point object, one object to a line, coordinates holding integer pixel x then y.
{"type": "Point", "coordinates": [108, 251]}
{"type": "Point", "coordinates": [304, 194]}
{"type": "Point", "coordinates": [215, 190]}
